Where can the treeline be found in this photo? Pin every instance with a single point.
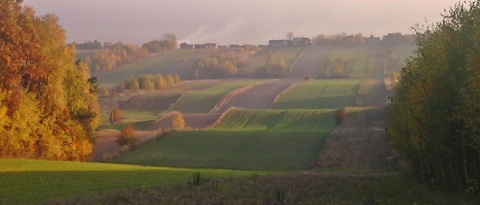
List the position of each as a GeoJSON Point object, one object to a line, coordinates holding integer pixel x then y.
{"type": "Point", "coordinates": [434, 118]}
{"type": "Point", "coordinates": [114, 56]}
{"type": "Point", "coordinates": [148, 82]}
{"type": "Point", "coordinates": [273, 68]}
{"type": "Point", "coordinates": [118, 54]}
{"type": "Point", "coordinates": [216, 66]}
{"type": "Point", "coordinates": [338, 68]}
{"type": "Point", "coordinates": [157, 46]}
{"type": "Point", "coordinates": [48, 102]}
{"type": "Point", "coordinates": [230, 66]}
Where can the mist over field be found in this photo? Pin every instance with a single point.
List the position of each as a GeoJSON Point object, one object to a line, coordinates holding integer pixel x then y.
{"type": "Point", "coordinates": [235, 21]}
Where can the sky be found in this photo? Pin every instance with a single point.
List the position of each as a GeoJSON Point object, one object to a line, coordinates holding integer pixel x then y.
{"type": "Point", "coordinates": [235, 21]}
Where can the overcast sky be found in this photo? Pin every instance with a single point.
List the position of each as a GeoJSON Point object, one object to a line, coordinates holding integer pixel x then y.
{"type": "Point", "coordinates": [235, 21]}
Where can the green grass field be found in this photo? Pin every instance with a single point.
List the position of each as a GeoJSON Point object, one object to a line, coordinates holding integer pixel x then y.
{"type": "Point", "coordinates": [37, 181]}
{"type": "Point", "coordinates": [356, 56]}
{"type": "Point", "coordinates": [145, 66]}
{"type": "Point", "coordinates": [320, 94]}
{"type": "Point", "coordinates": [203, 101]}
{"type": "Point", "coordinates": [288, 120]}
{"type": "Point", "coordinates": [244, 140]}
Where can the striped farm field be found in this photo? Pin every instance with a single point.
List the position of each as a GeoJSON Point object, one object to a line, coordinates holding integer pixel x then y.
{"type": "Point", "coordinates": [320, 94]}
{"type": "Point", "coordinates": [356, 56]}
{"type": "Point", "coordinates": [203, 101]}
{"type": "Point", "coordinates": [277, 140]}
{"type": "Point", "coordinates": [288, 120]}
{"type": "Point", "coordinates": [38, 181]}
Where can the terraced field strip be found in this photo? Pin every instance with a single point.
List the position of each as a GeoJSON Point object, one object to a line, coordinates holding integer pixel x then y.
{"type": "Point", "coordinates": [260, 96]}
{"type": "Point", "coordinates": [37, 181]}
{"type": "Point", "coordinates": [320, 94]}
{"type": "Point", "coordinates": [203, 101]}
{"type": "Point", "coordinates": [356, 56]}
{"type": "Point", "coordinates": [310, 61]}
{"type": "Point", "coordinates": [291, 119]}
{"type": "Point", "coordinates": [244, 140]}
{"type": "Point", "coordinates": [152, 65]}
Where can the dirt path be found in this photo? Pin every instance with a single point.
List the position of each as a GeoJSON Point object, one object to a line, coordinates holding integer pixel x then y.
{"type": "Point", "coordinates": [358, 145]}
{"type": "Point", "coordinates": [307, 64]}
{"type": "Point", "coordinates": [260, 96]}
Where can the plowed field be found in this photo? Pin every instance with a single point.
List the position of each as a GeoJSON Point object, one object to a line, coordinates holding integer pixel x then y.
{"type": "Point", "coordinates": [260, 96]}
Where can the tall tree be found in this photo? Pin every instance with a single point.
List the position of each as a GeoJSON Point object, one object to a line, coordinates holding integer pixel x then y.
{"type": "Point", "coordinates": [48, 100]}
{"type": "Point", "coordinates": [433, 120]}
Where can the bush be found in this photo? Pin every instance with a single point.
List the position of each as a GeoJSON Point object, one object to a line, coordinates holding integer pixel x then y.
{"type": "Point", "coordinates": [127, 136]}
{"type": "Point", "coordinates": [178, 121]}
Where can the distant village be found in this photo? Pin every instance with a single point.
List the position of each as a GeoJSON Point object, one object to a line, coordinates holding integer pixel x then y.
{"type": "Point", "coordinates": [390, 38]}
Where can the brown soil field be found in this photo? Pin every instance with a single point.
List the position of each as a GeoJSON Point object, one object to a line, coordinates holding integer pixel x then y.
{"type": "Point", "coordinates": [307, 64]}
{"type": "Point", "coordinates": [260, 96]}
{"type": "Point", "coordinates": [359, 145]}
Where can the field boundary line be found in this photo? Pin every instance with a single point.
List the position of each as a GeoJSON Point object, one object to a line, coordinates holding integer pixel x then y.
{"type": "Point", "coordinates": [220, 118]}
{"type": "Point", "coordinates": [298, 58]}
{"type": "Point", "coordinates": [281, 93]}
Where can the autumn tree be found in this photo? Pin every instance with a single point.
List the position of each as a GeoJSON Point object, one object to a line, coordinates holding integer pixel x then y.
{"type": "Point", "coordinates": [116, 115]}
{"type": "Point", "coordinates": [127, 136]}
{"type": "Point", "coordinates": [48, 102]}
{"type": "Point", "coordinates": [273, 68]}
{"type": "Point", "coordinates": [216, 66]}
{"type": "Point", "coordinates": [433, 120]}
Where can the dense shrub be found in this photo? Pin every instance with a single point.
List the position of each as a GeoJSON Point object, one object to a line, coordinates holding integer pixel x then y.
{"type": "Point", "coordinates": [127, 136]}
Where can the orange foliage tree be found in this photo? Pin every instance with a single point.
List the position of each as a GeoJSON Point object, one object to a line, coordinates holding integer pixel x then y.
{"type": "Point", "coordinates": [48, 102]}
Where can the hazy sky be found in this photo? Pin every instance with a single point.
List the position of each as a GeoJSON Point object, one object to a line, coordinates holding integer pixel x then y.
{"type": "Point", "coordinates": [235, 21]}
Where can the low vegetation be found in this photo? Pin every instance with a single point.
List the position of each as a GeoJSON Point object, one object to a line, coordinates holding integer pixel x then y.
{"type": "Point", "coordinates": [286, 189]}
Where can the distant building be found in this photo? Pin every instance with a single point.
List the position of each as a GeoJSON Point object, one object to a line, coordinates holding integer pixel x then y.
{"type": "Point", "coordinates": [301, 41]}
{"type": "Point", "coordinates": [278, 43]}
{"type": "Point", "coordinates": [211, 45]}
{"type": "Point", "coordinates": [234, 46]}
{"type": "Point", "coordinates": [187, 46]}
{"type": "Point", "coordinates": [200, 46]}
{"type": "Point", "coordinates": [372, 40]}
{"type": "Point", "coordinates": [222, 47]}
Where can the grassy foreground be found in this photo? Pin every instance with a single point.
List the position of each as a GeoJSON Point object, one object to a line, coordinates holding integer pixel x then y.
{"type": "Point", "coordinates": [37, 181]}
{"type": "Point", "coordinates": [244, 140]}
